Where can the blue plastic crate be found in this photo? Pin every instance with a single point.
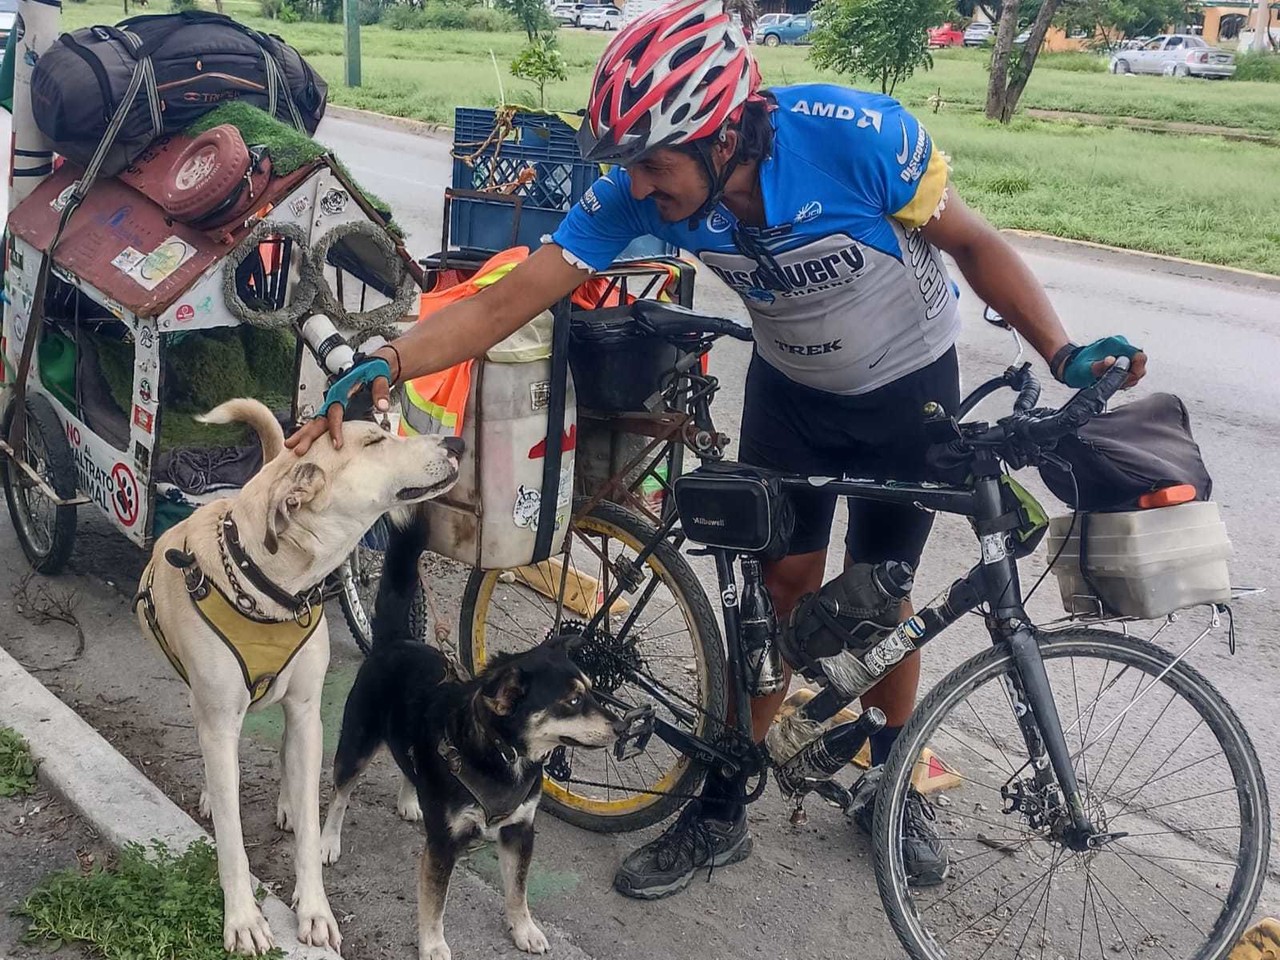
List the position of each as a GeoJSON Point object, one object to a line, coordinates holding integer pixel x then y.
{"type": "Point", "coordinates": [551, 146]}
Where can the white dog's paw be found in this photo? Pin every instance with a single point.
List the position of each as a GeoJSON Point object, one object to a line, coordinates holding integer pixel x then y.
{"type": "Point", "coordinates": [317, 927]}
{"type": "Point", "coordinates": [528, 937]}
{"type": "Point", "coordinates": [206, 812]}
{"type": "Point", "coordinates": [409, 809]}
{"type": "Point", "coordinates": [434, 950]}
{"type": "Point", "coordinates": [284, 818]}
{"type": "Point", "coordinates": [246, 931]}
{"type": "Point", "coordinates": [330, 848]}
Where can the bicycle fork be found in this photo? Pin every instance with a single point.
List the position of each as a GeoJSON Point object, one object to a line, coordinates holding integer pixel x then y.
{"type": "Point", "coordinates": [1053, 773]}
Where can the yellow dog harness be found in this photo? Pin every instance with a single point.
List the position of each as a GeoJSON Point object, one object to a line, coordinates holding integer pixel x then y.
{"type": "Point", "coordinates": [262, 647]}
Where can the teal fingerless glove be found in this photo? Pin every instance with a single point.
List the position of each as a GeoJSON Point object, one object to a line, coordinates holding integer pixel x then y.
{"type": "Point", "coordinates": [357, 378]}
{"type": "Point", "coordinates": [1077, 370]}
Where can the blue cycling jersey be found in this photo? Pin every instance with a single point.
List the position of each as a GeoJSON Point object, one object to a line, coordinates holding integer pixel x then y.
{"type": "Point", "coordinates": [844, 292]}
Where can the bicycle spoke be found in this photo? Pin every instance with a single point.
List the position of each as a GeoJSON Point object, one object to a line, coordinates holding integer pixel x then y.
{"type": "Point", "coordinates": [1181, 879]}
{"type": "Point", "coordinates": [1169, 756]}
{"type": "Point", "coordinates": [1168, 803]}
{"type": "Point", "coordinates": [1159, 893]}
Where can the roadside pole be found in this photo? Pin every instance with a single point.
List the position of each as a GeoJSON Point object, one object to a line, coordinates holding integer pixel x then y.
{"type": "Point", "coordinates": [1262, 26]}
{"type": "Point", "coordinates": [351, 48]}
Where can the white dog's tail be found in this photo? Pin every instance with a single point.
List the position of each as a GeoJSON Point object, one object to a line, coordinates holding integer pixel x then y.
{"type": "Point", "coordinates": [256, 414]}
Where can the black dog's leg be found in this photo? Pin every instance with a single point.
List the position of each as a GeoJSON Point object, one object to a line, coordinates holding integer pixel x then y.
{"type": "Point", "coordinates": [515, 852]}
{"type": "Point", "coordinates": [361, 737]}
{"type": "Point", "coordinates": [393, 610]}
{"type": "Point", "coordinates": [438, 858]}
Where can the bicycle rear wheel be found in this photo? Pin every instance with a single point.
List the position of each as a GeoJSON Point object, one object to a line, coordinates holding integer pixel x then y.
{"type": "Point", "coordinates": [1162, 761]}
{"type": "Point", "coordinates": [662, 629]}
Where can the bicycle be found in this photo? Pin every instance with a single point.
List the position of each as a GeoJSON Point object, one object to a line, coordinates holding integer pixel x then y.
{"type": "Point", "coordinates": [1056, 801]}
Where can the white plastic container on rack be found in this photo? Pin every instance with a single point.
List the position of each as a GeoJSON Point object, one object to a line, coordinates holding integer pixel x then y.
{"type": "Point", "coordinates": [1144, 563]}
{"type": "Point", "coordinates": [490, 517]}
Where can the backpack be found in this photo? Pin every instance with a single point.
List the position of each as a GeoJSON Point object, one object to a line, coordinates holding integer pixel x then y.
{"type": "Point", "coordinates": [178, 67]}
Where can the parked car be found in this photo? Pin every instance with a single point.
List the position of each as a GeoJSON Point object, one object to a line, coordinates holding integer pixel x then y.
{"type": "Point", "coordinates": [947, 35]}
{"type": "Point", "coordinates": [770, 19]}
{"type": "Point", "coordinates": [1022, 38]}
{"type": "Point", "coordinates": [794, 29]}
{"type": "Point", "coordinates": [603, 15]}
{"type": "Point", "coordinates": [977, 33]}
{"type": "Point", "coordinates": [8, 14]}
{"type": "Point", "coordinates": [569, 14]}
{"type": "Point", "coordinates": [1176, 55]}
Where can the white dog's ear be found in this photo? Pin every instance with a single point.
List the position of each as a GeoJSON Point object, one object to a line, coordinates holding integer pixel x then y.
{"type": "Point", "coordinates": [298, 486]}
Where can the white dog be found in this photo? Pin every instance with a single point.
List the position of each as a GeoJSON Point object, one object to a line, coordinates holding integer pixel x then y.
{"type": "Point", "coordinates": [232, 597]}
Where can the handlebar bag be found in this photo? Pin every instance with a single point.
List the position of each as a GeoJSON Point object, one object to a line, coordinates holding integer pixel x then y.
{"type": "Point", "coordinates": [1116, 458]}
{"type": "Point", "coordinates": [737, 507]}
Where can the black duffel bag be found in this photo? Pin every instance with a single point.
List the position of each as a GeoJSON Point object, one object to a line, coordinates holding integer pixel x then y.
{"type": "Point", "coordinates": [1116, 458]}
{"type": "Point", "coordinates": [189, 64]}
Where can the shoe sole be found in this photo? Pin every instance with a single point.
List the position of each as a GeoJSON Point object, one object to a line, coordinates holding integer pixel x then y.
{"type": "Point", "coordinates": [930, 880]}
{"type": "Point", "coordinates": [731, 856]}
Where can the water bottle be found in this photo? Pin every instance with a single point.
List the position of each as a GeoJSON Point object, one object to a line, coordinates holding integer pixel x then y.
{"type": "Point", "coordinates": [329, 346]}
{"type": "Point", "coordinates": [759, 632]}
{"type": "Point", "coordinates": [825, 756]}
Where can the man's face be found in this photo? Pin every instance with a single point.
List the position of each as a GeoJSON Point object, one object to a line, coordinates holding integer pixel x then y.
{"type": "Point", "coordinates": [676, 181]}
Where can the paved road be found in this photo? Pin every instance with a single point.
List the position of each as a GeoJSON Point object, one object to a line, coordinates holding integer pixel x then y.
{"type": "Point", "coordinates": [807, 891]}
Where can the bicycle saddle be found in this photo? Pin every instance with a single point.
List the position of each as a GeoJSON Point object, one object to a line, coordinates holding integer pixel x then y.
{"type": "Point", "coordinates": [670, 320]}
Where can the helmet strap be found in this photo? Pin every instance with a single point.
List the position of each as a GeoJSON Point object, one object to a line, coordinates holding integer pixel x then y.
{"type": "Point", "coordinates": [718, 181]}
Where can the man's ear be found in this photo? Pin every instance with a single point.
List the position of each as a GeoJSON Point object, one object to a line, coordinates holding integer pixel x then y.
{"type": "Point", "coordinates": [505, 690]}
{"type": "Point", "coordinates": [294, 488]}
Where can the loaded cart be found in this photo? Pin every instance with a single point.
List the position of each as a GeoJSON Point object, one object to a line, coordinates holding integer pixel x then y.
{"type": "Point", "coordinates": [229, 259]}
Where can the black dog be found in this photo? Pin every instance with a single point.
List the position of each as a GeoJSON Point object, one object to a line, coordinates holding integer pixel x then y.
{"type": "Point", "coordinates": [471, 754]}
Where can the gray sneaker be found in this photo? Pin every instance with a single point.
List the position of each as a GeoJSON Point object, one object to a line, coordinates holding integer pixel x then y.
{"type": "Point", "coordinates": [667, 864]}
{"type": "Point", "coordinates": [923, 853]}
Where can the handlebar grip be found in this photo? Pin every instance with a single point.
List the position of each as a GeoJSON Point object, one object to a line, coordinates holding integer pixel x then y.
{"type": "Point", "coordinates": [738, 331]}
{"type": "Point", "coordinates": [1083, 407]}
{"type": "Point", "coordinates": [1029, 395]}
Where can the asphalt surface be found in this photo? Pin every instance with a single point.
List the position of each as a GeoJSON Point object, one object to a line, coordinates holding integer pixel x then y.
{"type": "Point", "coordinates": [807, 891]}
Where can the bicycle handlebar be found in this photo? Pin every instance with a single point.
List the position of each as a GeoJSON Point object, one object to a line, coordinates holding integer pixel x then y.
{"type": "Point", "coordinates": [1076, 412]}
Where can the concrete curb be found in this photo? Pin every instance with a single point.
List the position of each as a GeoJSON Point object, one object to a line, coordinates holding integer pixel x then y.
{"type": "Point", "coordinates": [437, 131]}
{"type": "Point", "coordinates": [1030, 239]}
{"type": "Point", "coordinates": [1175, 266]}
{"type": "Point", "coordinates": [103, 787]}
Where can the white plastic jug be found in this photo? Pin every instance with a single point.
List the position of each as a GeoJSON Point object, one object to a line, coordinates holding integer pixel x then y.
{"type": "Point", "coordinates": [490, 517]}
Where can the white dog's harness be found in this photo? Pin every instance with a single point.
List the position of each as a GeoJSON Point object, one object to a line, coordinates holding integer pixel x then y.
{"type": "Point", "coordinates": [262, 646]}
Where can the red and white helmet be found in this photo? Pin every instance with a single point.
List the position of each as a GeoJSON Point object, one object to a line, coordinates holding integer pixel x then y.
{"type": "Point", "coordinates": [673, 75]}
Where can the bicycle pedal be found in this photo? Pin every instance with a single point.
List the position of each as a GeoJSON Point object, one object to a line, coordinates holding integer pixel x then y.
{"type": "Point", "coordinates": [557, 766]}
{"type": "Point", "coordinates": [634, 739]}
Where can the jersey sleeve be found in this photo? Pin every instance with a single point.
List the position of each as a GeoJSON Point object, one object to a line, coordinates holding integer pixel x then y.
{"type": "Point", "coordinates": [897, 164]}
{"type": "Point", "coordinates": [602, 223]}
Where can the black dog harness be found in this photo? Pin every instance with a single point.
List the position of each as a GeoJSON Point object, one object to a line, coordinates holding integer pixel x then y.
{"type": "Point", "coordinates": [495, 799]}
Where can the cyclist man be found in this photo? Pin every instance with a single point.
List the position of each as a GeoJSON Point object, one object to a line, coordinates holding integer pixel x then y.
{"type": "Point", "coordinates": [826, 209]}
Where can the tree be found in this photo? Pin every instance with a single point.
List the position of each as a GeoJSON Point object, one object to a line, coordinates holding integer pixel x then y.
{"type": "Point", "coordinates": [1010, 68]}
{"type": "Point", "coordinates": [533, 15]}
{"type": "Point", "coordinates": [886, 40]}
{"type": "Point", "coordinates": [1114, 19]}
{"type": "Point", "coordinates": [540, 62]}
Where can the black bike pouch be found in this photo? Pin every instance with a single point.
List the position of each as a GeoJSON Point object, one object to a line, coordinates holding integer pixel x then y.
{"type": "Point", "coordinates": [737, 507]}
{"type": "Point", "coordinates": [1116, 458]}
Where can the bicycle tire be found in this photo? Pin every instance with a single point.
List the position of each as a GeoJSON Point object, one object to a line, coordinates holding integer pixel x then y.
{"type": "Point", "coordinates": [1186, 683]}
{"type": "Point", "coordinates": [357, 609]}
{"type": "Point", "coordinates": [45, 431]}
{"type": "Point", "coordinates": [640, 811]}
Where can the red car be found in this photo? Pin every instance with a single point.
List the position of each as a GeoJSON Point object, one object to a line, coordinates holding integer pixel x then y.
{"type": "Point", "coordinates": [947, 35]}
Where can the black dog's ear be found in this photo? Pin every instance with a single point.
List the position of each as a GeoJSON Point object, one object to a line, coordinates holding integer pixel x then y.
{"type": "Point", "coordinates": [570, 643]}
{"type": "Point", "coordinates": [505, 690]}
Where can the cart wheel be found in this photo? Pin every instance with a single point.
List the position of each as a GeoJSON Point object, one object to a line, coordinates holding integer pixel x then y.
{"type": "Point", "coordinates": [358, 579]}
{"type": "Point", "coordinates": [46, 531]}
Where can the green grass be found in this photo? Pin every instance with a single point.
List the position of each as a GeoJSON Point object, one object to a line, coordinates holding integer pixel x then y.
{"type": "Point", "coordinates": [17, 767]}
{"type": "Point", "coordinates": [154, 904]}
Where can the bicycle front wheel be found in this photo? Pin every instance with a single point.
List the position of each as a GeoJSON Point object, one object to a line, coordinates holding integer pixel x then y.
{"type": "Point", "coordinates": [1168, 777]}
{"type": "Point", "coordinates": [659, 644]}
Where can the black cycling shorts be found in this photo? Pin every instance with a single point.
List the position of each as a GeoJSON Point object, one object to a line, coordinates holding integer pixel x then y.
{"type": "Point", "coordinates": [877, 435]}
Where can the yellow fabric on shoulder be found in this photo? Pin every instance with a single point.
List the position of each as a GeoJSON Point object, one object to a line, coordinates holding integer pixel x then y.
{"type": "Point", "coordinates": [929, 193]}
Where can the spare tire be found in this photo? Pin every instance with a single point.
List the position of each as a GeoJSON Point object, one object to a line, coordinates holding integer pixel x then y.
{"type": "Point", "coordinates": [205, 174]}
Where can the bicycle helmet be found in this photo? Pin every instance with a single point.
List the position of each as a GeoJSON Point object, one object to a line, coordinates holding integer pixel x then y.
{"type": "Point", "coordinates": [678, 74]}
